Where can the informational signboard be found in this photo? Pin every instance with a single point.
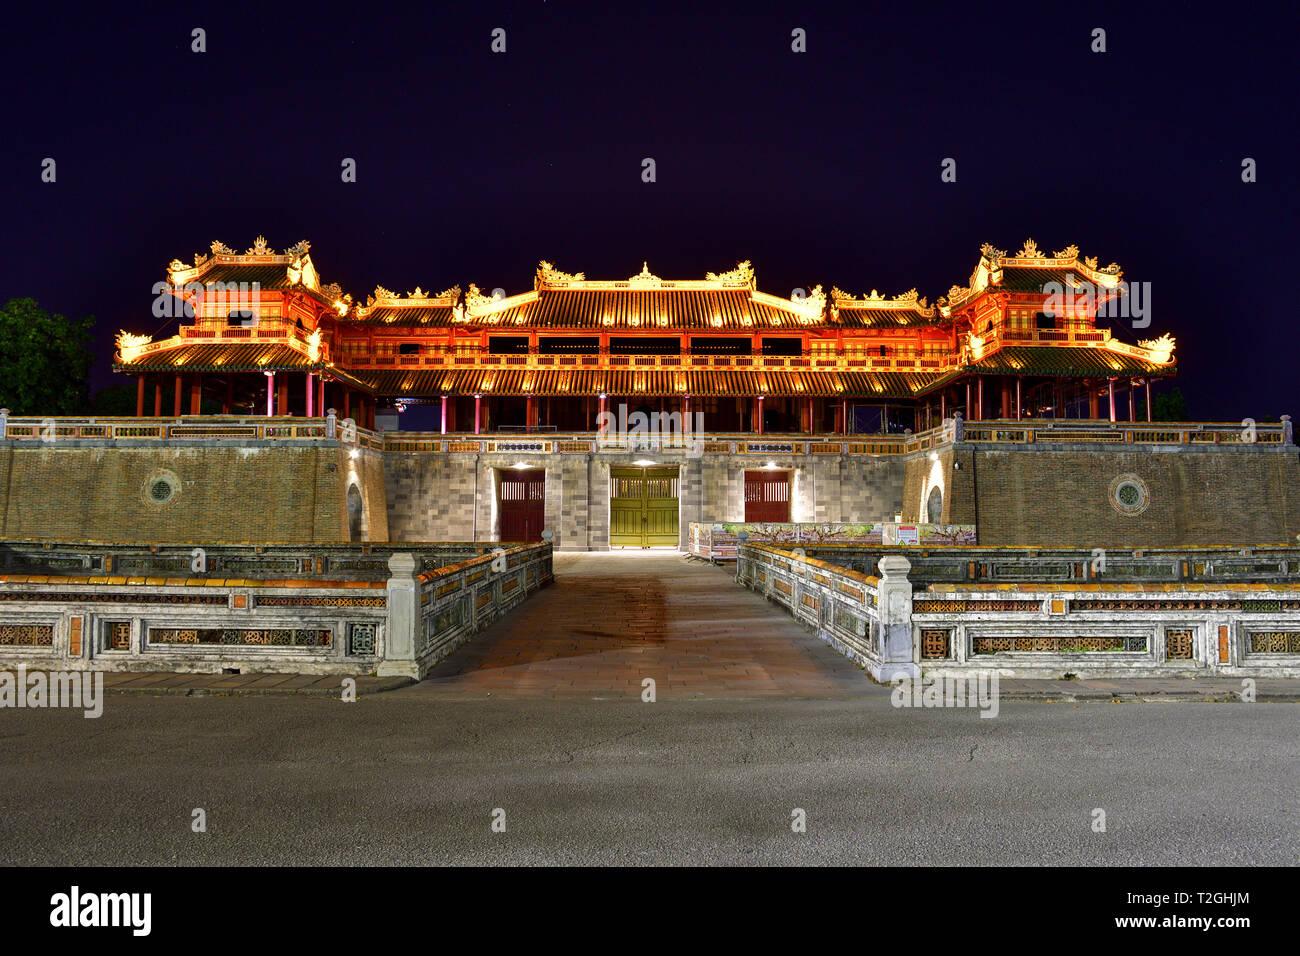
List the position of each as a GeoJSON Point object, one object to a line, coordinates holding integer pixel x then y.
{"type": "Point", "coordinates": [908, 534]}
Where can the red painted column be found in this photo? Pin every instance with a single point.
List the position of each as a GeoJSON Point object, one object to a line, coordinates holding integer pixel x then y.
{"type": "Point", "coordinates": [229, 402]}
{"type": "Point", "coordinates": [196, 394]}
{"type": "Point", "coordinates": [157, 398]}
{"type": "Point", "coordinates": [759, 415]}
{"type": "Point", "coordinates": [530, 412]}
{"type": "Point", "coordinates": [282, 396]}
{"type": "Point", "coordinates": [600, 421]}
{"type": "Point", "coordinates": [686, 415]}
{"type": "Point", "coordinates": [980, 381]}
{"type": "Point", "coordinates": [176, 404]}
{"type": "Point", "coordinates": [844, 416]}
{"type": "Point", "coordinates": [1148, 389]}
{"type": "Point", "coordinates": [1110, 385]}
{"type": "Point", "coordinates": [478, 417]}
{"type": "Point", "coordinates": [347, 402]}
{"type": "Point", "coordinates": [311, 397]}
{"type": "Point", "coordinates": [139, 396]}
{"type": "Point", "coordinates": [1132, 403]}
{"type": "Point", "coordinates": [444, 414]}
{"type": "Point", "coordinates": [320, 394]}
{"type": "Point", "coordinates": [1018, 380]}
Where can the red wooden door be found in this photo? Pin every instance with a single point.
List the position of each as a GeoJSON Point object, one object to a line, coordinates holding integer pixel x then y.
{"type": "Point", "coordinates": [523, 505]}
{"type": "Point", "coordinates": [767, 496]}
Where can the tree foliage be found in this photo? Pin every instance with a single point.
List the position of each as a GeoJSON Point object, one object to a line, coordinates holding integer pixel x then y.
{"type": "Point", "coordinates": [44, 360]}
{"type": "Point", "coordinates": [1169, 408]}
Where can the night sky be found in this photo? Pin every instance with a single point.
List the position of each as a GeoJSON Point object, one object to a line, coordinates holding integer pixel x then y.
{"type": "Point", "coordinates": [821, 167]}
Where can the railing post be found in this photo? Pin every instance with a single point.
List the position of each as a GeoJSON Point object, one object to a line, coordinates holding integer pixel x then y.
{"type": "Point", "coordinates": [403, 592]}
{"type": "Point", "coordinates": [4, 423]}
{"type": "Point", "coordinates": [331, 423]}
{"type": "Point", "coordinates": [959, 429]}
{"type": "Point", "coordinates": [894, 597]}
{"type": "Point", "coordinates": [1288, 435]}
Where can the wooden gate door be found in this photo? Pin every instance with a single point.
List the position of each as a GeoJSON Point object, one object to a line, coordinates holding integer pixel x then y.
{"type": "Point", "coordinates": [767, 496]}
{"type": "Point", "coordinates": [643, 508]}
{"type": "Point", "coordinates": [523, 505]}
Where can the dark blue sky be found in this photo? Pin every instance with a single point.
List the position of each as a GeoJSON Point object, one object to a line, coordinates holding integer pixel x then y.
{"type": "Point", "coordinates": [820, 167]}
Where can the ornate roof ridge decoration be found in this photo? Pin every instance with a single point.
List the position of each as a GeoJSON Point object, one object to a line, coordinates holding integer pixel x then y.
{"type": "Point", "coordinates": [645, 277]}
{"type": "Point", "coordinates": [1030, 250]}
{"type": "Point", "coordinates": [129, 340]}
{"type": "Point", "coordinates": [259, 248]}
{"type": "Point", "coordinates": [1161, 349]}
{"type": "Point", "coordinates": [909, 301]}
{"type": "Point", "coordinates": [549, 275]}
{"type": "Point", "coordinates": [812, 305]}
{"type": "Point", "coordinates": [743, 273]}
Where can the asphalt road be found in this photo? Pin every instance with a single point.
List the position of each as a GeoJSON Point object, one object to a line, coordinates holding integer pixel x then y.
{"type": "Point", "coordinates": [412, 777]}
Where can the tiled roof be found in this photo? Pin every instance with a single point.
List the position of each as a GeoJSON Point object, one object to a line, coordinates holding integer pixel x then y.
{"type": "Point", "coordinates": [867, 318]}
{"type": "Point", "coordinates": [254, 357]}
{"type": "Point", "coordinates": [731, 310]}
{"type": "Point", "coordinates": [269, 276]}
{"type": "Point", "coordinates": [415, 316]}
{"type": "Point", "coordinates": [1057, 360]}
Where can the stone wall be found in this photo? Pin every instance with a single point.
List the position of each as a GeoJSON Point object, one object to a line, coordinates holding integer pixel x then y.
{"type": "Point", "coordinates": [219, 491]}
{"type": "Point", "coordinates": [1063, 497]}
{"type": "Point", "coordinates": [434, 497]}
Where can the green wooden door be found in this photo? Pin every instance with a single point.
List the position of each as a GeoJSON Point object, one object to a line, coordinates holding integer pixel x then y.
{"type": "Point", "coordinates": [643, 508]}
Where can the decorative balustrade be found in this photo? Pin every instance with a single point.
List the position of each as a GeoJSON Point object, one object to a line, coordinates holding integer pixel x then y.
{"type": "Point", "coordinates": [320, 609]}
{"type": "Point", "coordinates": [1222, 625]}
{"type": "Point", "coordinates": [861, 616]}
{"type": "Point", "coordinates": [283, 428]}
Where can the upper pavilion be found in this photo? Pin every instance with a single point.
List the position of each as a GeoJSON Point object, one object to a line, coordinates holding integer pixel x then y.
{"type": "Point", "coordinates": [262, 333]}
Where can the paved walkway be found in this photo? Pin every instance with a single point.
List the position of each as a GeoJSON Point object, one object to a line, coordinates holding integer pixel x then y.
{"type": "Point", "coordinates": [614, 618]}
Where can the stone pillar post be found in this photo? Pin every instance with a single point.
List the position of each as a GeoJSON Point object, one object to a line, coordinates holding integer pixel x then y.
{"type": "Point", "coordinates": [331, 424]}
{"type": "Point", "coordinates": [1288, 433]}
{"type": "Point", "coordinates": [894, 597]}
{"type": "Point", "coordinates": [958, 427]}
{"type": "Point", "coordinates": [402, 630]}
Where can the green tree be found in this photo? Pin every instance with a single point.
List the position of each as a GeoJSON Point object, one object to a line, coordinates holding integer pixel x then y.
{"type": "Point", "coordinates": [44, 360]}
{"type": "Point", "coordinates": [117, 400]}
{"type": "Point", "coordinates": [1169, 408]}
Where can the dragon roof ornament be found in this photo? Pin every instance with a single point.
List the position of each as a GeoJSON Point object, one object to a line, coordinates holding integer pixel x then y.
{"type": "Point", "coordinates": [744, 272]}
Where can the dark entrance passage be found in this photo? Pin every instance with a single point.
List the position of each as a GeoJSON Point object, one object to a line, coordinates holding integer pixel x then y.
{"type": "Point", "coordinates": [523, 504]}
{"type": "Point", "coordinates": [767, 496]}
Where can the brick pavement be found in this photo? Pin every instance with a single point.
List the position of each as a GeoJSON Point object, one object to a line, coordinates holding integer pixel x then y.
{"type": "Point", "coordinates": [614, 618]}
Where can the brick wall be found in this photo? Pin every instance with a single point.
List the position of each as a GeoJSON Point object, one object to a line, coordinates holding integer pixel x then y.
{"type": "Point", "coordinates": [222, 492]}
{"type": "Point", "coordinates": [1062, 497]}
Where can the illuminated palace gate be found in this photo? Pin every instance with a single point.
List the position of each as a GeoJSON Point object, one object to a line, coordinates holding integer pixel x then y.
{"type": "Point", "coordinates": [523, 505]}
{"type": "Point", "coordinates": [643, 508]}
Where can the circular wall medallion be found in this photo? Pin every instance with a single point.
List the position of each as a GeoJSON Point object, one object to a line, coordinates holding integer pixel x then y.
{"type": "Point", "coordinates": [1129, 495]}
{"type": "Point", "coordinates": [161, 488]}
